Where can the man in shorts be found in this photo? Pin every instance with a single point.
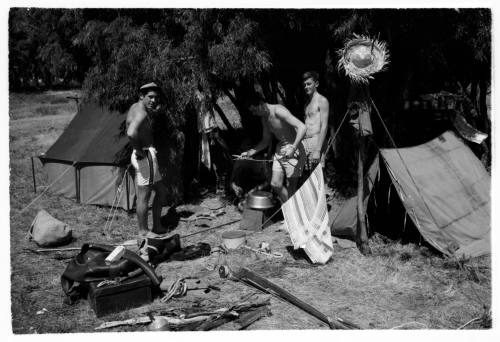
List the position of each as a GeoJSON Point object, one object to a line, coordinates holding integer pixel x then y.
{"type": "Point", "coordinates": [289, 157]}
{"type": "Point", "coordinates": [316, 121]}
{"type": "Point", "coordinates": [140, 121]}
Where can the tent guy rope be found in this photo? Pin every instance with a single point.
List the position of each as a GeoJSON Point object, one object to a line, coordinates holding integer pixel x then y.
{"type": "Point", "coordinates": [112, 212]}
{"type": "Point", "coordinates": [46, 189]}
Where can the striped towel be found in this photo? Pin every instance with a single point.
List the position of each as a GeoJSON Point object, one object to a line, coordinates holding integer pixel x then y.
{"type": "Point", "coordinates": [306, 219]}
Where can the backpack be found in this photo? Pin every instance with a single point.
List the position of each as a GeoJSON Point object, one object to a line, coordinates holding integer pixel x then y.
{"type": "Point", "coordinates": [48, 231]}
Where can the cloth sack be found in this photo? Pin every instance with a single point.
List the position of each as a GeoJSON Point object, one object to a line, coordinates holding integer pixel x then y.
{"type": "Point", "coordinates": [48, 231]}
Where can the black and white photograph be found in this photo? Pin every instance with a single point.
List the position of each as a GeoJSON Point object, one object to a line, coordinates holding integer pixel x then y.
{"type": "Point", "coordinates": [197, 168]}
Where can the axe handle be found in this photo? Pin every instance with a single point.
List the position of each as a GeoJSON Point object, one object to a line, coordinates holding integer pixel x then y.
{"type": "Point", "coordinates": [258, 281]}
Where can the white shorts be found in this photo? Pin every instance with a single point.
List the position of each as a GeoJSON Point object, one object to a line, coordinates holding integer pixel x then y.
{"type": "Point", "coordinates": [310, 145]}
{"type": "Point", "coordinates": [291, 167]}
{"type": "Point", "coordinates": [146, 168]}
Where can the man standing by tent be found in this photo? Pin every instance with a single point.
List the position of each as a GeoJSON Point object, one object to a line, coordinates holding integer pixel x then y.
{"type": "Point", "coordinates": [140, 119]}
{"type": "Point", "coordinates": [289, 158]}
{"type": "Point", "coordinates": [316, 120]}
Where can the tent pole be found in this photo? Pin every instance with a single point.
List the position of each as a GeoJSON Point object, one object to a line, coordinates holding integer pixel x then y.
{"type": "Point", "coordinates": [361, 233]}
{"type": "Point", "coordinates": [33, 173]}
{"type": "Point", "coordinates": [77, 183]}
{"type": "Point", "coordinates": [127, 190]}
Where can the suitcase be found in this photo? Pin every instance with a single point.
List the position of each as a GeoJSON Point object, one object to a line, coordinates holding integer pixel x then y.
{"type": "Point", "coordinates": [113, 298]}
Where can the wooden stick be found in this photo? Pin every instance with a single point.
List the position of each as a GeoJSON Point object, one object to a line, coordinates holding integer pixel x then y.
{"type": "Point", "coordinates": [259, 282]}
{"type": "Point", "coordinates": [211, 228]}
{"type": "Point", "coordinates": [250, 317]}
{"type": "Point", "coordinates": [66, 249]}
{"type": "Point", "coordinates": [132, 321]}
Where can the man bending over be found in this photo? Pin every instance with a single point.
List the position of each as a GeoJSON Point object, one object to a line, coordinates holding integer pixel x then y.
{"type": "Point", "coordinates": [289, 157]}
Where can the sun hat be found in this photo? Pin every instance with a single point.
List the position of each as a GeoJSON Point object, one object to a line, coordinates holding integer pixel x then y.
{"type": "Point", "coordinates": [361, 57]}
{"type": "Point", "coordinates": [149, 86]}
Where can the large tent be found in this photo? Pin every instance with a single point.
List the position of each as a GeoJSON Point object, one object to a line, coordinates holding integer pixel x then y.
{"type": "Point", "coordinates": [442, 187]}
{"type": "Point", "coordinates": [86, 163]}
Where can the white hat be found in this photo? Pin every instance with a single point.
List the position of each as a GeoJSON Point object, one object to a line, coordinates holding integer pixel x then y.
{"type": "Point", "coordinates": [362, 57]}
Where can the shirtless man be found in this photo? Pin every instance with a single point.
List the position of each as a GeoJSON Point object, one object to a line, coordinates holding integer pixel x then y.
{"type": "Point", "coordinates": [289, 157]}
{"type": "Point", "coordinates": [148, 178]}
{"type": "Point", "coordinates": [316, 120]}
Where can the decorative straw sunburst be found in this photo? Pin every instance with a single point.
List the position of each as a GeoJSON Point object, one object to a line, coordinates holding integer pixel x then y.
{"type": "Point", "coordinates": [361, 57]}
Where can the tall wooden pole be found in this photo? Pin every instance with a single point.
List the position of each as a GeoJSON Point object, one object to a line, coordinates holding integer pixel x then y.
{"type": "Point", "coordinates": [359, 96]}
{"type": "Point", "coordinates": [361, 232]}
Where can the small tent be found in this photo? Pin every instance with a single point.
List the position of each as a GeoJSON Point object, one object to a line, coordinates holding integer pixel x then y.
{"type": "Point", "coordinates": [86, 162]}
{"type": "Point", "coordinates": [444, 189]}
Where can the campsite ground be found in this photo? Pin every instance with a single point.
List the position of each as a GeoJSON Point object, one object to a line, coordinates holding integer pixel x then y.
{"type": "Point", "coordinates": [398, 286]}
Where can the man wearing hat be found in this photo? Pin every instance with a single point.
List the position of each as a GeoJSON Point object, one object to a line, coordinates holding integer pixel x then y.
{"type": "Point", "coordinates": [316, 121]}
{"type": "Point", "coordinates": [140, 120]}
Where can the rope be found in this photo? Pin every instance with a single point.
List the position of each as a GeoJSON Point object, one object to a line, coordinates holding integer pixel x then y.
{"type": "Point", "coordinates": [330, 143]}
{"type": "Point", "coordinates": [112, 212]}
{"type": "Point", "coordinates": [332, 140]}
{"type": "Point", "coordinates": [46, 189]}
{"type": "Point", "coordinates": [404, 164]}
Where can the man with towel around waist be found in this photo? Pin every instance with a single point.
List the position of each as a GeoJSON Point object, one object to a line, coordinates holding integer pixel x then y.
{"type": "Point", "coordinates": [148, 178]}
{"type": "Point", "coordinates": [316, 121]}
{"type": "Point", "coordinates": [289, 158]}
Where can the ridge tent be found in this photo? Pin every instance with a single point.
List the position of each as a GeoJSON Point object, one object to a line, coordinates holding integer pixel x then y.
{"type": "Point", "coordinates": [443, 188]}
{"type": "Point", "coordinates": [86, 161]}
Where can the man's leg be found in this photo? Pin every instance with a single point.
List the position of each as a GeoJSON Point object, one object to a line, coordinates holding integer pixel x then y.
{"type": "Point", "coordinates": [292, 186]}
{"type": "Point", "coordinates": [277, 184]}
{"type": "Point", "coordinates": [160, 193]}
{"type": "Point", "coordinates": [143, 194]}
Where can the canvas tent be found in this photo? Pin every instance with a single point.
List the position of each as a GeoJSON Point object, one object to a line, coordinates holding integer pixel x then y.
{"type": "Point", "coordinates": [444, 189]}
{"type": "Point", "coordinates": [84, 163]}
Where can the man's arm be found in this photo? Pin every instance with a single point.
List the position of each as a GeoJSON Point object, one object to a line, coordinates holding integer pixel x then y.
{"type": "Point", "coordinates": [264, 141]}
{"type": "Point", "coordinates": [323, 107]}
{"type": "Point", "coordinates": [134, 120]}
{"type": "Point", "coordinates": [300, 128]}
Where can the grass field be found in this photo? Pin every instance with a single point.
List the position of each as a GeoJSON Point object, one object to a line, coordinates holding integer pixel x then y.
{"type": "Point", "coordinates": [399, 286]}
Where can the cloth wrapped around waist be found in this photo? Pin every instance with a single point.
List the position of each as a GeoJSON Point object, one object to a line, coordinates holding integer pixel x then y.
{"type": "Point", "coordinates": [146, 169]}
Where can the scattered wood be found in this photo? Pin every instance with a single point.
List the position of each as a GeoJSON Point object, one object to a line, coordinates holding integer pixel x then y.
{"type": "Point", "coordinates": [246, 312]}
{"type": "Point", "coordinates": [131, 321]}
{"type": "Point", "coordinates": [250, 278]}
{"type": "Point", "coordinates": [248, 318]}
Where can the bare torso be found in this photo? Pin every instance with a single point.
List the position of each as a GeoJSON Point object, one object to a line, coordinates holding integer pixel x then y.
{"type": "Point", "coordinates": [283, 131]}
{"type": "Point", "coordinates": [312, 116]}
{"type": "Point", "coordinates": [138, 113]}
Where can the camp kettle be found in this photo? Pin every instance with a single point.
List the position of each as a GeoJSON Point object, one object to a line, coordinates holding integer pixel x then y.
{"type": "Point", "coordinates": [260, 200]}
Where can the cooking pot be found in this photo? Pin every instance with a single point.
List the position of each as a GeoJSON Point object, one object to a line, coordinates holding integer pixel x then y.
{"type": "Point", "coordinates": [260, 200]}
{"type": "Point", "coordinates": [233, 239]}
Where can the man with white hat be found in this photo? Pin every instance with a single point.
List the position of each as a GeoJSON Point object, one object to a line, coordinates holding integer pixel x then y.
{"type": "Point", "coordinates": [140, 120]}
